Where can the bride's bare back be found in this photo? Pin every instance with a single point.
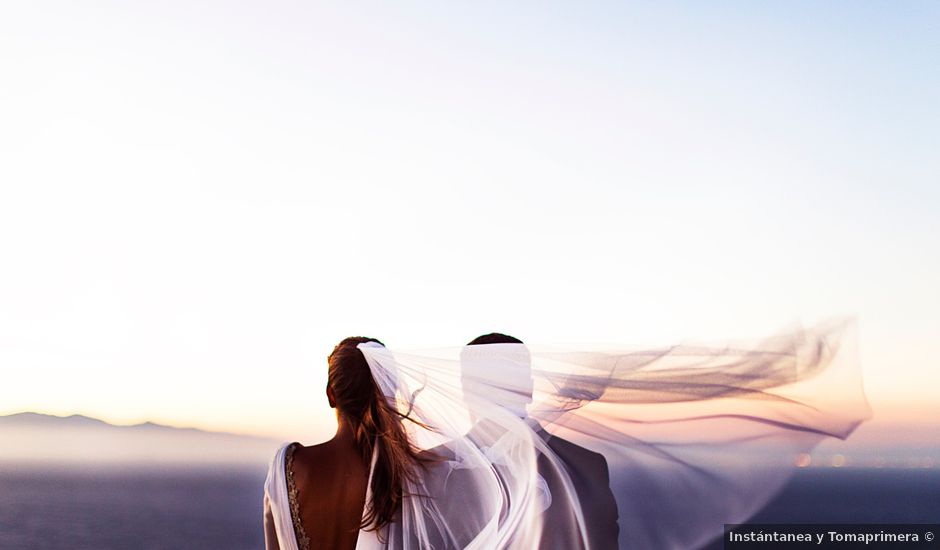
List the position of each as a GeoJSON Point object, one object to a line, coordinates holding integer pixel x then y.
{"type": "Point", "coordinates": [316, 496]}
{"type": "Point", "coordinates": [331, 481]}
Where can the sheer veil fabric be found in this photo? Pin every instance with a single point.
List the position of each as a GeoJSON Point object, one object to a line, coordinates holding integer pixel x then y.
{"type": "Point", "coordinates": [646, 448]}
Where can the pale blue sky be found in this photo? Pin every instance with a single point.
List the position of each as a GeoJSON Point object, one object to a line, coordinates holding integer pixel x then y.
{"type": "Point", "coordinates": [200, 199]}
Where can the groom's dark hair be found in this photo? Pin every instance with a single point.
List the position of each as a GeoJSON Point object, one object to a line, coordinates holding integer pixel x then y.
{"type": "Point", "coordinates": [494, 338]}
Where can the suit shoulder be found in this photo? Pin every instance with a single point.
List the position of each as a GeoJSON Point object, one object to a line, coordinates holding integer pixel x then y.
{"type": "Point", "coordinates": [567, 449]}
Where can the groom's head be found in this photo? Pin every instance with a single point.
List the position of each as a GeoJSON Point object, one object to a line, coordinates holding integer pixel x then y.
{"type": "Point", "coordinates": [496, 369]}
{"type": "Point", "coordinates": [494, 338]}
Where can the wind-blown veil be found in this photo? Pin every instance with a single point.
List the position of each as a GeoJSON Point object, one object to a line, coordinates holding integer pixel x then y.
{"type": "Point", "coordinates": [651, 448]}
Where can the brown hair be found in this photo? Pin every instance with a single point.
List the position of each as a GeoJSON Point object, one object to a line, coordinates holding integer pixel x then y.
{"type": "Point", "coordinates": [376, 422]}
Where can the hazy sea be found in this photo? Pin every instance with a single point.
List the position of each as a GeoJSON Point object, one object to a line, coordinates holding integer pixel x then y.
{"type": "Point", "coordinates": [222, 509]}
{"type": "Point", "coordinates": [131, 510]}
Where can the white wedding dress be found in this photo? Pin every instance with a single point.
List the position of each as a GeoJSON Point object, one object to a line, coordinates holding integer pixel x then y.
{"type": "Point", "coordinates": [636, 448]}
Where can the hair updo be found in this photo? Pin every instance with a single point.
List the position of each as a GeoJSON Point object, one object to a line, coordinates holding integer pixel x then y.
{"type": "Point", "coordinates": [377, 425]}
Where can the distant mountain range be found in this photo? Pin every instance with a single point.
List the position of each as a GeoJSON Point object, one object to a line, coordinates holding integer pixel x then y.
{"type": "Point", "coordinates": [41, 440]}
{"type": "Point", "coordinates": [33, 439]}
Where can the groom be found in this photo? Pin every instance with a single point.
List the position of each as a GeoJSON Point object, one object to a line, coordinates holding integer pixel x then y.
{"type": "Point", "coordinates": [587, 470]}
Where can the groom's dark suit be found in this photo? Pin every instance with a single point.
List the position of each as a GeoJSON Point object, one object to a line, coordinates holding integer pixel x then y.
{"type": "Point", "coordinates": [589, 475]}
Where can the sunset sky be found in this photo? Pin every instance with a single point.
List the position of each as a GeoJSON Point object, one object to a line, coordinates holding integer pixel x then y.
{"type": "Point", "coordinates": [198, 200]}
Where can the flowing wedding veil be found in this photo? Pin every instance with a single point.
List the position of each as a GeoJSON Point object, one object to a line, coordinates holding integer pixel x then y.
{"type": "Point", "coordinates": [652, 448]}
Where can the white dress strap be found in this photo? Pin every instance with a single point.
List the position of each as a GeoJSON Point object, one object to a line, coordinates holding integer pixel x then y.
{"type": "Point", "coordinates": [278, 524]}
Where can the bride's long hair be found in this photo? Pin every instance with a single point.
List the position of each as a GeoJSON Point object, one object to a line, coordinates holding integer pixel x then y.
{"type": "Point", "coordinates": [377, 423]}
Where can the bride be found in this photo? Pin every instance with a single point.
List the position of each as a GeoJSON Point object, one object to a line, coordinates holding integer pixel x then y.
{"type": "Point", "coordinates": [341, 493]}
{"type": "Point", "coordinates": [499, 444]}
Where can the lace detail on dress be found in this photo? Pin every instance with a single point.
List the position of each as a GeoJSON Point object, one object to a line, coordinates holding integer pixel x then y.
{"type": "Point", "coordinates": [303, 541]}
